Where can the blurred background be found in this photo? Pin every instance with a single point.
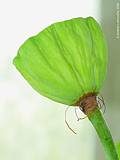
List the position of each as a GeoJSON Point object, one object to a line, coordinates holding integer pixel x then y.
{"type": "Point", "coordinates": [32, 127]}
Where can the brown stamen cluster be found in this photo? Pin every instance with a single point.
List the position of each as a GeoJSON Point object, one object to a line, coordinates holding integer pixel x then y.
{"type": "Point", "coordinates": [87, 103]}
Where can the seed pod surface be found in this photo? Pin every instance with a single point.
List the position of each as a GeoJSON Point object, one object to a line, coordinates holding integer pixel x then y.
{"type": "Point", "coordinates": [65, 61]}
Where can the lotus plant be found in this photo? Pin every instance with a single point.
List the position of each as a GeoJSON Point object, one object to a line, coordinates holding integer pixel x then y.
{"type": "Point", "coordinates": [67, 63]}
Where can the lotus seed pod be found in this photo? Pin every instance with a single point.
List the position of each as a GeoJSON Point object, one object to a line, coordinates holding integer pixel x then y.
{"type": "Point", "coordinates": [66, 60]}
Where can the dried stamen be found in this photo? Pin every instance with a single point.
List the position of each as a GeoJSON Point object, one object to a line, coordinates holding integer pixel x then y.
{"type": "Point", "coordinates": [79, 118]}
{"type": "Point", "coordinates": [86, 104]}
{"type": "Point", "coordinates": [67, 122]}
{"type": "Point", "coordinates": [101, 100]}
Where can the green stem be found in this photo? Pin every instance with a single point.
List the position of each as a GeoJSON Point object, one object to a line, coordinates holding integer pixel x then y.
{"type": "Point", "coordinates": [103, 132]}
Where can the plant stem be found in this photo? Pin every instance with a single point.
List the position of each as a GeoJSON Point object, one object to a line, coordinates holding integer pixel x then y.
{"type": "Point", "coordinates": [103, 132]}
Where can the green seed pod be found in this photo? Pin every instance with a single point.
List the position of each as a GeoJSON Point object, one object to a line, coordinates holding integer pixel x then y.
{"type": "Point", "coordinates": [65, 61]}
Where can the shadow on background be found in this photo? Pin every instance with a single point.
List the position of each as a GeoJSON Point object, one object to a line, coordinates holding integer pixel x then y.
{"type": "Point", "coordinates": [112, 85]}
{"type": "Point", "coordinates": [109, 25]}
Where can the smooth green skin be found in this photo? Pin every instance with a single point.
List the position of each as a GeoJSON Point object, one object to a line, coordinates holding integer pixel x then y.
{"type": "Point", "coordinates": [104, 134]}
{"type": "Point", "coordinates": [118, 149]}
{"type": "Point", "coordinates": [65, 61]}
